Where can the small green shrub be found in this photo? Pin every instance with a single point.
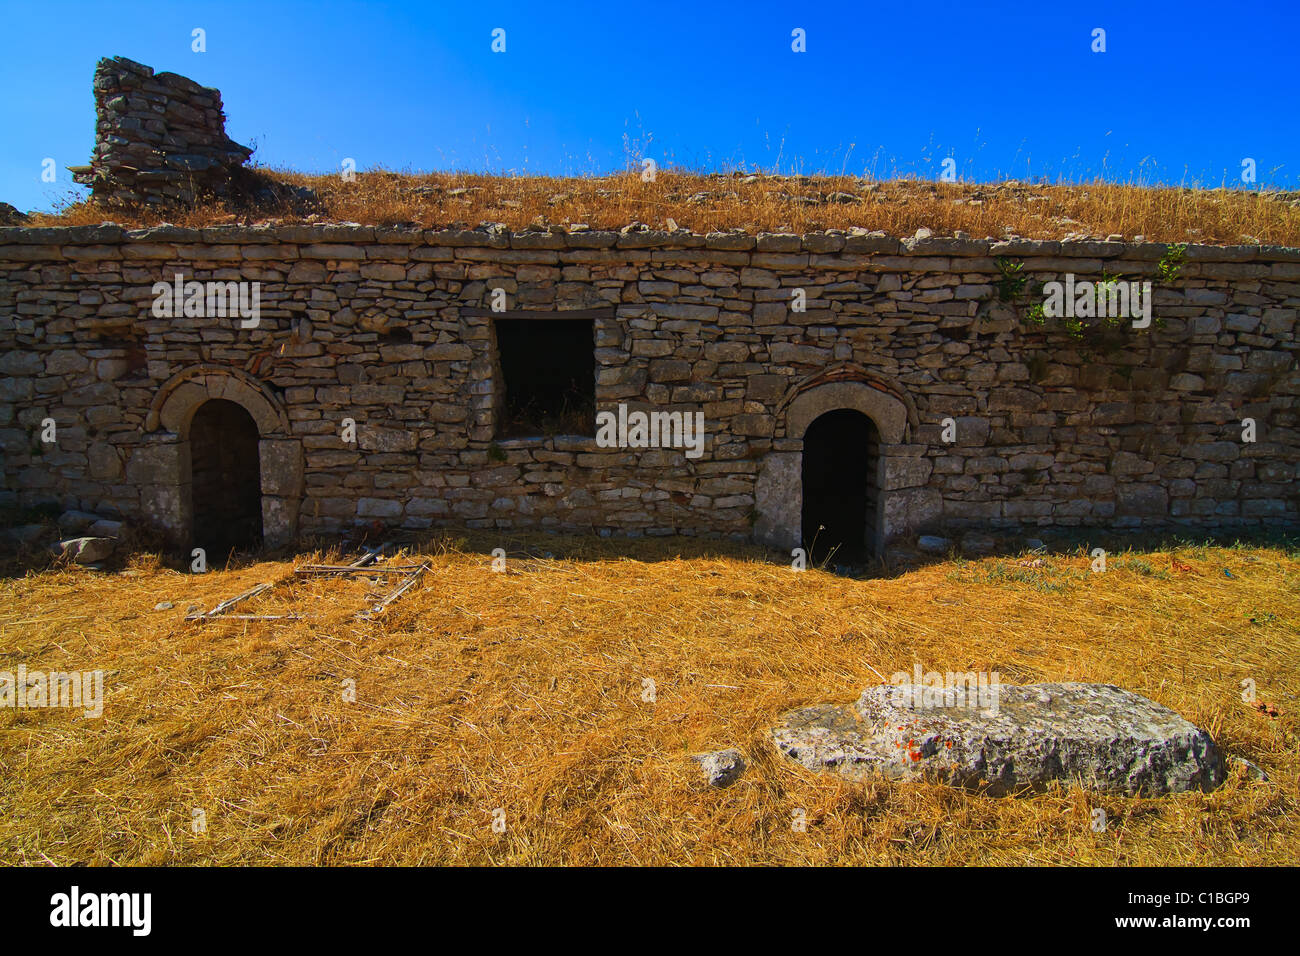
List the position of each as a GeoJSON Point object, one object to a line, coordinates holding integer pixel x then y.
{"type": "Point", "coordinates": [1012, 282]}
{"type": "Point", "coordinates": [1171, 263]}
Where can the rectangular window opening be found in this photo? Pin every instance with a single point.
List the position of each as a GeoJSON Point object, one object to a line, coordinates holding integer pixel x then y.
{"type": "Point", "coordinates": [548, 376]}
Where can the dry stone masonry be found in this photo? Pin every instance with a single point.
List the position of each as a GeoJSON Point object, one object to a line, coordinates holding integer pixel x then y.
{"type": "Point", "coordinates": [392, 330]}
{"type": "Point", "coordinates": [377, 374]}
{"type": "Point", "coordinates": [160, 139]}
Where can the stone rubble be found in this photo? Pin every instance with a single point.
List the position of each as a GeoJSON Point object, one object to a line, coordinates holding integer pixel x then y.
{"type": "Point", "coordinates": [721, 768]}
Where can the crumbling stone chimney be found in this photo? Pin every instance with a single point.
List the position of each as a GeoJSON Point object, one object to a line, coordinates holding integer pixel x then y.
{"type": "Point", "coordinates": [160, 139]}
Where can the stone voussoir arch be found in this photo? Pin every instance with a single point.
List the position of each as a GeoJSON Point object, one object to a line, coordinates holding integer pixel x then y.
{"type": "Point", "coordinates": [851, 386]}
{"type": "Point", "coordinates": [779, 487]}
{"type": "Point", "coordinates": [165, 465]}
{"type": "Point", "coordinates": [181, 395]}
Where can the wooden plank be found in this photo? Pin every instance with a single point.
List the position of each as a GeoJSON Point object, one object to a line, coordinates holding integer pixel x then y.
{"type": "Point", "coordinates": [371, 556]}
{"type": "Point", "coordinates": [349, 569]}
{"type": "Point", "coordinates": [397, 592]}
{"type": "Point", "coordinates": [363, 563]}
{"type": "Point", "coordinates": [224, 606]}
{"type": "Point", "coordinates": [256, 617]}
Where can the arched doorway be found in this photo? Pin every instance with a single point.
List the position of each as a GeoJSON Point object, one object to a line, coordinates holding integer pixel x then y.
{"type": "Point", "coordinates": [226, 478]}
{"type": "Point", "coordinates": [841, 459]}
{"type": "Point", "coordinates": [900, 504]}
{"type": "Point", "coordinates": [166, 464]}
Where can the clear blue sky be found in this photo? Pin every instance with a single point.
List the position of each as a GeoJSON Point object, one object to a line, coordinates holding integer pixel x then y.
{"type": "Point", "coordinates": [1183, 92]}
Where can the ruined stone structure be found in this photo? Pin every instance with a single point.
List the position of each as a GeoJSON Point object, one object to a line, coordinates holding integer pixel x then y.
{"type": "Point", "coordinates": [393, 332]}
{"type": "Point", "coordinates": [273, 381]}
{"type": "Point", "coordinates": [160, 139]}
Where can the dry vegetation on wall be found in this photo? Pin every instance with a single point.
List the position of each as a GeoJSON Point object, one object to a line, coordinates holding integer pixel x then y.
{"type": "Point", "coordinates": [523, 691]}
{"type": "Point", "coordinates": [763, 203]}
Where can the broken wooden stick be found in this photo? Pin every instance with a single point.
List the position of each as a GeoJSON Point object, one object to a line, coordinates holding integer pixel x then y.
{"type": "Point", "coordinates": [227, 604]}
{"type": "Point", "coordinates": [348, 569]}
{"type": "Point", "coordinates": [370, 556]}
{"type": "Point", "coordinates": [396, 593]}
{"type": "Point", "coordinates": [256, 617]}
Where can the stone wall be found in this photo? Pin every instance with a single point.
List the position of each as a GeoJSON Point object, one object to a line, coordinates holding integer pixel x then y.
{"type": "Point", "coordinates": [393, 329]}
{"type": "Point", "coordinates": [160, 139]}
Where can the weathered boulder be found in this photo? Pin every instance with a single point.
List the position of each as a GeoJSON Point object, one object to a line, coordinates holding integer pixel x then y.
{"type": "Point", "coordinates": [975, 543]}
{"type": "Point", "coordinates": [722, 768]}
{"type": "Point", "coordinates": [1098, 735]}
{"type": "Point", "coordinates": [76, 522]}
{"type": "Point", "coordinates": [105, 528]}
{"type": "Point", "coordinates": [933, 544]}
{"type": "Point", "coordinates": [85, 550]}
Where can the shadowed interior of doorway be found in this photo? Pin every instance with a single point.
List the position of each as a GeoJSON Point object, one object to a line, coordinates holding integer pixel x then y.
{"type": "Point", "coordinates": [226, 481]}
{"type": "Point", "coordinates": [841, 450]}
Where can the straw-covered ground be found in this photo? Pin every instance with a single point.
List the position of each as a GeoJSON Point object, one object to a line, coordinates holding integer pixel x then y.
{"type": "Point", "coordinates": [753, 202]}
{"type": "Point", "coordinates": [526, 691]}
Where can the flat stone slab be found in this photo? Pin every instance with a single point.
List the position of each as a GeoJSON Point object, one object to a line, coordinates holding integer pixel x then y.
{"type": "Point", "coordinates": [1097, 735]}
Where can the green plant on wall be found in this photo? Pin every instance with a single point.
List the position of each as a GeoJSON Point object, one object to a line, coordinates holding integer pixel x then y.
{"type": "Point", "coordinates": [1011, 282]}
{"type": "Point", "coordinates": [1101, 330]}
{"type": "Point", "coordinates": [1104, 284]}
{"type": "Point", "coordinates": [1171, 263]}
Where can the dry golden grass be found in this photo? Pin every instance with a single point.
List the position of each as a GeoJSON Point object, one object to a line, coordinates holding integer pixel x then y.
{"type": "Point", "coordinates": [772, 204]}
{"type": "Point", "coordinates": [523, 691]}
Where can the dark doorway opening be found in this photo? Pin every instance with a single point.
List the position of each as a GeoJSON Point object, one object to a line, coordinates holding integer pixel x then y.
{"type": "Point", "coordinates": [548, 367]}
{"type": "Point", "coordinates": [841, 452]}
{"type": "Point", "coordinates": [226, 479]}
